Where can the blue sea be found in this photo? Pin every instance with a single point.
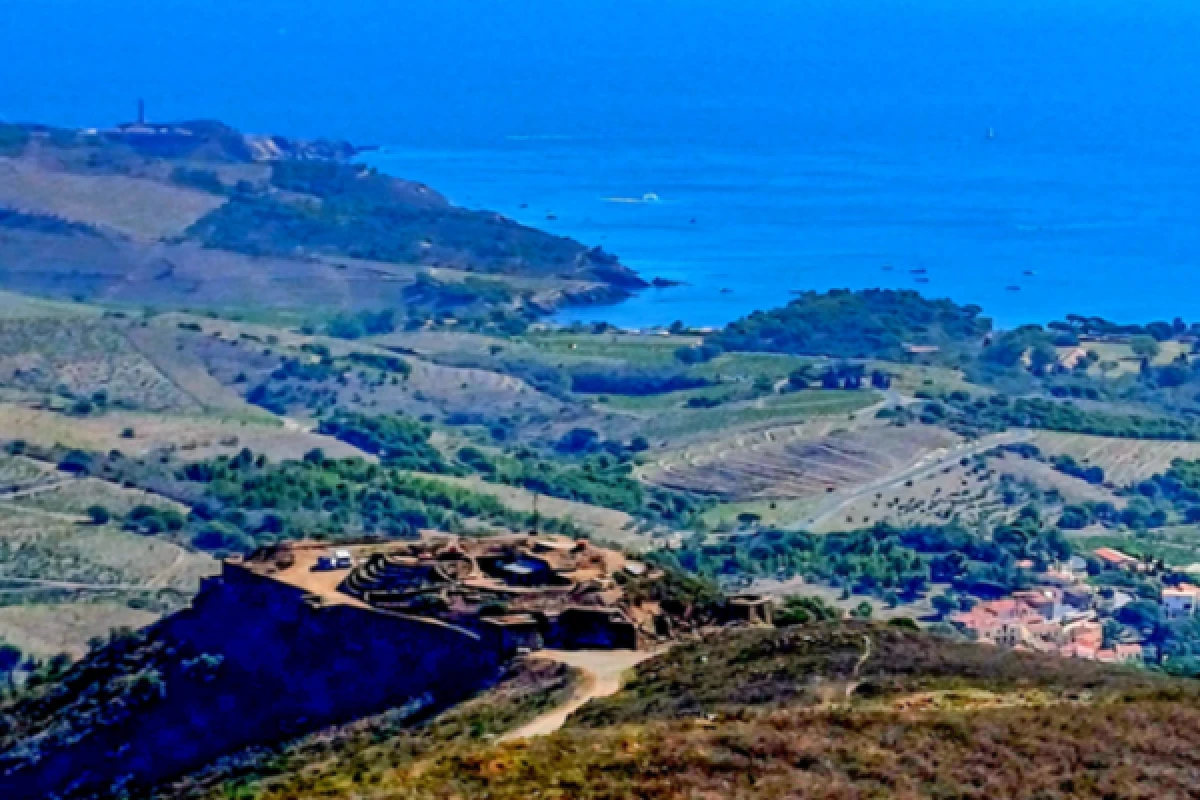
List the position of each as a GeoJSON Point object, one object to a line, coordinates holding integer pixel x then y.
{"type": "Point", "coordinates": [1036, 158]}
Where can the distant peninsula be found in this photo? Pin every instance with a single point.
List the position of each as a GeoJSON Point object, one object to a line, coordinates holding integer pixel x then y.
{"type": "Point", "coordinates": [198, 215]}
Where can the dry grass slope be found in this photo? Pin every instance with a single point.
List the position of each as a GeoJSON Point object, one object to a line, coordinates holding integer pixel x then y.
{"type": "Point", "coordinates": [823, 712]}
{"type": "Point", "coordinates": [130, 206]}
{"type": "Point", "coordinates": [1125, 461]}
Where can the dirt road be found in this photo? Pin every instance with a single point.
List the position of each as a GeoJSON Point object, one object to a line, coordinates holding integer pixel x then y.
{"type": "Point", "coordinates": [602, 672]}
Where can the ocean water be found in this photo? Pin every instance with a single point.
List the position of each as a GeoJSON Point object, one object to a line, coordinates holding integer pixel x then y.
{"type": "Point", "coordinates": [791, 144]}
{"type": "Point", "coordinates": [1029, 235]}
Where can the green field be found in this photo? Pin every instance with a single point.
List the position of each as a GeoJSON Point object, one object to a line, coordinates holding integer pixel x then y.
{"type": "Point", "coordinates": [665, 401]}
{"type": "Point", "coordinates": [640, 351]}
{"type": "Point", "coordinates": [773, 410]}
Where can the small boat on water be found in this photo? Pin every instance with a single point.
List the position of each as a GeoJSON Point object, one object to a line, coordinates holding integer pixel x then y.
{"type": "Point", "coordinates": [922, 280]}
{"type": "Point", "coordinates": [1013, 288]}
{"type": "Point", "coordinates": [918, 271]}
{"type": "Point", "coordinates": [887, 267]}
{"type": "Point", "coordinates": [1029, 273]}
{"type": "Point", "coordinates": [551, 217]}
{"type": "Point", "coordinates": [726, 290]}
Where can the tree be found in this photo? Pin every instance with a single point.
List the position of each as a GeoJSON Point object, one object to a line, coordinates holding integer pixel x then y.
{"type": "Point", "coordinates": [944, 604]}
{"type": "Point", "coordinates": [10, 659]}
{"type": "Point", "coordinates": [578, 440]}
{"type": "Point", "coordinates": [1141, 615]}
{"type": "Point", "coordinates": [800, 378]}
{"type": "Point", "coordinates": [1041, 358]}
{"type": "Point", "coordinates": [863, 610]}
{"type": "Point", "coordinates": [98, 515]}
{"type": "Point", "coordinates": [1145, 347]}
{"type": "Point", "coordinates": [1112, 632]}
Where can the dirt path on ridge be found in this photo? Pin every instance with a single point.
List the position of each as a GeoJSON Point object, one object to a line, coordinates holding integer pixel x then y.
{"type": "Point", "coordinates": [602, 672]}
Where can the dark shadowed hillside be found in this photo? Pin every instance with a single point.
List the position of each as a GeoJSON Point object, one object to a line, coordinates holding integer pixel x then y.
{"type": "Point", "coordinates": [832, 710]}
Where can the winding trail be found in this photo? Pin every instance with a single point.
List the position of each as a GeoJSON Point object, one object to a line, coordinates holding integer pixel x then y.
{"type": "Point", "coordinates": [602, 673]}
{"type": "Point", "coordinates": [159, 581]}
{"type": "Point", "coordinates": [858, 665]}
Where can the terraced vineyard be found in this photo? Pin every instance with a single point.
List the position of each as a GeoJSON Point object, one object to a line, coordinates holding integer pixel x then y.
{"type": "Point", "coordinates": [1125, 461]}
{"type": "Point", "coordinates": [775, 410]}
{"type": "Point", "coordinates": [77, 496]}
{"type": "Point", "coordinates": [79, 357]}
{"type": "Point", "coordinates": [798, 461]}
{"type": "Point", "coordinates": [63, 582]}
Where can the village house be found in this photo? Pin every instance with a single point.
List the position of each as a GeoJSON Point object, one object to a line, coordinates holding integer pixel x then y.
{"type": "Point", "coordinates": [1117, 559]}
{"type": "Point", "coordinates": [1038, 621]}
{"type": "Point", "coordinates": [1180, 601]}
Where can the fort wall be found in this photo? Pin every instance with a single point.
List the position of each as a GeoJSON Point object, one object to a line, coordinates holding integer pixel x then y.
{"type": "Point", "coordinates": [287, 666]}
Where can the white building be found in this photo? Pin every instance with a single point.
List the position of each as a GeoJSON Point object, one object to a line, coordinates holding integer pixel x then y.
{"type": "Point", "coordinates": [1180, 601]}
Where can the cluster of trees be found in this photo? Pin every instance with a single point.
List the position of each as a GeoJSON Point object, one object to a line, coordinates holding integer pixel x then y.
{"type": "Point", "coordinates": [700, 354]}
{"type": "Point", "coordinates": [250, 501]}
{"type": "Point", "coordinates": [875, 323]}
{"type": "Point", "coordinates": [279, 399]}
{"type": "Point", "coordinates": [1069, 466]}
{"type": "Point", "coordinates": [392, 364]}
{"type": "Point", "coordinates": [803, 610]}
{"type": "Point", "coordinates": [975, 417]}
{"type": "Point", "coordinates": [301, 369]}
{"type": "Point", "coordinates": [43, 223]}
{"type": "Point", "coordinates": [885, 560]}
{"type": "Point", "coordinates": [838, 376]}
{"type": "Point", "coordinates": [303, 381]}
{"type": "Point", "coordinates": [1065, 464]}
{"type": "Point", "coordinates": [363, 323]}
{"type": "Point", "coordinates": [600, 477]}
{"type": "Point", "coordinates": [95, 403]}
{"type": "Point", "coordinates": [1170, 496]}
{"type": "Point", "coordinates": [150, 520]}
{"type": "Point", "coordinates": [635, 382]}
{"type": "Point", "coordinates": [203, 179]}
{"type": "Point", "coordinates": [475, 304]}
{"type": "Point", "coordinates": [400, 441]}
{"type": "Point", "coordinates": [363, 214]}
{"type": "Point", "coordinates": [1009, 350]}
{"type": "Point", "coordinates": [587, 469]}
{"type": "Point", "coordinates": [1098, 326]}
{"type": "Point", "coordinates": [1076, 516]}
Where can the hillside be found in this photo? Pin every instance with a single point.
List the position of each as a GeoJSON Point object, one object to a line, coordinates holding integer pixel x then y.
{"type": "Point", "coordinates": [198, 215]}
{"type": "Point", "coordinates": [833, 710]}
{"type": "Point", "coordinates": [876, 323]}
